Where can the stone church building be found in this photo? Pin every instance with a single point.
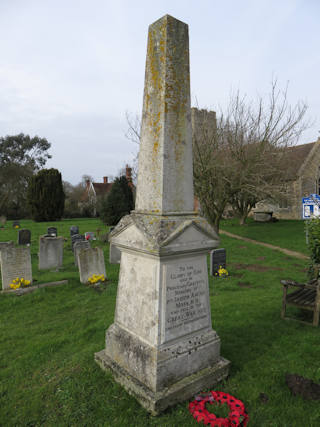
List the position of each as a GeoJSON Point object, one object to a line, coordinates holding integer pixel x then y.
{"type": "Point", "coordinates": [303, 163]}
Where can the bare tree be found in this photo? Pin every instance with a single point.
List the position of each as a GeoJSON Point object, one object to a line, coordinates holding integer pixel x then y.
{"type": "Point", "coordinates": [242, 161]}
{"type": "Point", "coordinates": [133, 134]}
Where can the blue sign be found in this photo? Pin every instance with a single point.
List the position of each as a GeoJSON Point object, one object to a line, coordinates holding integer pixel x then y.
{"type": "Point", "coordinates": [311, 206]}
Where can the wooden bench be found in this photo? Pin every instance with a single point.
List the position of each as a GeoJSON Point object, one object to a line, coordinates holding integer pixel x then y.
{"type": "Point", "coordinates": [305, 295]}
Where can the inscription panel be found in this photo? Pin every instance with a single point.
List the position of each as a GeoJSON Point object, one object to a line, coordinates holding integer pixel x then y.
{"type": "Point", "coordinates": [186, 298]}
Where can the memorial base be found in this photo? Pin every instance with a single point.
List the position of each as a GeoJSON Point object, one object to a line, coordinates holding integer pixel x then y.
{"type": "Point", "coordinates": [157, 402]}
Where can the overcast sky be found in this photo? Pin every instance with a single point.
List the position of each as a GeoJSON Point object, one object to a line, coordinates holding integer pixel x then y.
{"type": "Point", "coordinates": [70, 69]}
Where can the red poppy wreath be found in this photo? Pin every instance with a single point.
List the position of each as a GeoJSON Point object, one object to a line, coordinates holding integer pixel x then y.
{"type": "Point", "coordinates": [237, 415]}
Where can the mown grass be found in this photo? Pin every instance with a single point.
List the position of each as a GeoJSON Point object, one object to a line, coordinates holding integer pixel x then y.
{"type": "Point", "coordinates": [48, 338]}
{"type": "Point", "coordinates": [289, 234]}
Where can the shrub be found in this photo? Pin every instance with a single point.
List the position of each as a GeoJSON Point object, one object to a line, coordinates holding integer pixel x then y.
{"type": "Point", "coordinates": [313, 232]}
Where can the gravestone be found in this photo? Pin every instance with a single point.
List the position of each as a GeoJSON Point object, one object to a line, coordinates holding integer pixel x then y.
{"type": "Point", "coordinates": [76, 238]}
{"type": "Point", "coordinates": [52, 231]}
{"type": "Point", "coordinates": [114, 254]}
{"type": "Point", "coordinates": [218, 257]}
{"type": "Point", "coordinates": [91, 261]}
{"type": "Point", "coordinates": [74, 229]}
{"type": "Point", "coordinates": [161, 346]}
{"type": "Point", "coordinates": [262, 216]}
{"type": "Point", "coordinates": [78, 246]}
{"type": "Point", "coordinates": [89, 235]}
{"type": "Point", "coordinates": [15, 262]}
{"type": "Point", "coordinates": [5, 245]}
{"type": "Point", "coordinates": [15, 224]}
{"type": "Point", "coordinates": [24, 237]}
{"type": "Point", "coordinates": [50, 252]}
{"type": "Point", "coordinates": [3, 221]}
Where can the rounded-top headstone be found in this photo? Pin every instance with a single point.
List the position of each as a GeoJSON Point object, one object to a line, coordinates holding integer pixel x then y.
{"type": "Point", "coordinates": [24, 237]}
{"type": "Point", "coordinates": [74, 229]}
{"type": "Point", "coordinates": [52, 231]}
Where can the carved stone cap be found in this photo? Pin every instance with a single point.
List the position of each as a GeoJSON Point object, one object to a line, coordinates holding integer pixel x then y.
{"type": "Point", "coordinates": [164, 234]}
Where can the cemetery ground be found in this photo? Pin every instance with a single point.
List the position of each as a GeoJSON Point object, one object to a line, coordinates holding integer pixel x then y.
{"type": "Point", "coordinates": [48, 339]}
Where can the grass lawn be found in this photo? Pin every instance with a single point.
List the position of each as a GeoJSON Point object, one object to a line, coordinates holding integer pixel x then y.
{"type": "Point", "coordinates": [286, 233]}
{"type": "Point", "coordinates": [48, 338]}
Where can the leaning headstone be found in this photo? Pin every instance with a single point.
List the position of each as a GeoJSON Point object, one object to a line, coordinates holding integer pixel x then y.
{"type": "Point", "coordinates": [78, 246]}
{"type": "Point", "coordinates": [89, 235]}
{"type": "Point", "coordinates": [161, 346]}
{"type": "Point", "coordinates": [16, 224]}
{"type": "Point", "coordinates": [24, 237]}
{"type": "Point", "coordinates": [52, 231]}
{"type": "Point", "coordinates": [15, 262]}
{"type": "Point", "coordinates": [76, 238]}
{"type": "Point", "coordinates": [50, 252]}
{"type": "Point", "coordinates": [74, 229]}
{"type": "Point", "coordinates": [114, 254]}
{"type": "Point", "coordinates": [91, 261]}
{"type": "Point", "coordinates": [218, 257]}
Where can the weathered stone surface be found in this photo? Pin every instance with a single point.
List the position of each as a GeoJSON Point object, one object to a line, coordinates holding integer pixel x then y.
{"type": "Point", "coordinates": [78, 246]}
{"type": "Point", "coordinates": [15, 262]}
{"type": "Point", "coordinates": [161, 346]}
{"type": "Point", "coordinates": [114, 255]}
{"type": "Point", "coordinates": [147, 232]}
{"type": "Point", "coordinates": [91, 261]}
{"type": "Point", "coordinates": [184, 389]}
{"type": "Point", "coordinates": [50, 252]}
{"type": "Point", "coordinates": [24, 237]}
{"type": "Point", "coordinates": [166, 122]}
{"type": "Point", "coordinates": [5, 245]}
{"type": "Point", "coordinates": [262, 216]}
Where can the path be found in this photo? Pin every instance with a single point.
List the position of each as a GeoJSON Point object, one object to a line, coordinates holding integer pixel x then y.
{"type": "Point", "coordinates": [266, 245]}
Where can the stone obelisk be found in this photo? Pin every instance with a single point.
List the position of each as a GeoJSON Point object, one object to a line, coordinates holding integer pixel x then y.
{"type": "Point", "coordinates": [161, 346]}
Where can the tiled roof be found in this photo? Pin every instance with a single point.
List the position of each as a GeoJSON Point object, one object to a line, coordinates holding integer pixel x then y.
{"type": "Point", "coordinates": [101, 188]}
{"type": "Point", "coordinates": [295, 156]}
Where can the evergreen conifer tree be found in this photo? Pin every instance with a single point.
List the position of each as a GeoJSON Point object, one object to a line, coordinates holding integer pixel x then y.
{"type": "Point", "coordinates": [46, 195]}
{"type": "Point", "coordinates": [118, 203]}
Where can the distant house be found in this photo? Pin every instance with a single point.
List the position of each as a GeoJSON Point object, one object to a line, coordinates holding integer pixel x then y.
{"type": "Point", "coordinates": [96, 190]}
{"type": "Point", "coordinates": [303, 179]}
